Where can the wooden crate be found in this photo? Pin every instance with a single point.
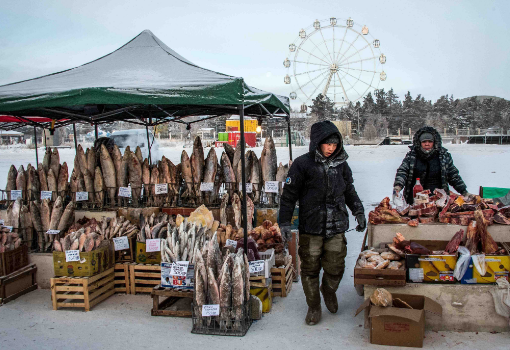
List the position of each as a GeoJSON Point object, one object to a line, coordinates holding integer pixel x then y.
{"type": "Point", "coordinates": [18, 283]}
{"type": "Point", "coordinates": [127, 255]}
{"type": "Point", "coordinates": [143, 278]}
{"type": "Point", "coordinates": [122, 284]}
{"type": "Point", "coordinates": [282, 278]}
{"type": "Point", "coordinates": [84, 292]}
{"type": "Point", "coordinates": [385, 277]}
{"type": "Point", "coordinates": [171, 295]}
{"type": "Point", "coordinates": [259, 281]}
{"type": "Point", "coordinates": [13, 260]}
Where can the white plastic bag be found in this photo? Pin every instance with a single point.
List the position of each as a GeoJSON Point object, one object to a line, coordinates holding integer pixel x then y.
{"type": "Point", "coordinates": [500, 294]}
{"type": "Point", "coordinates": [480, 264]}
{"type": "Point", "coordinates": [399, 202]}
{"type": "Point", "coordinates": [462, 263]}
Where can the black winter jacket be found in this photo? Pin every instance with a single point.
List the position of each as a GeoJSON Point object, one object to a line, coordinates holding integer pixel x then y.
{"type": "Point", "coordinates": [323, 187]}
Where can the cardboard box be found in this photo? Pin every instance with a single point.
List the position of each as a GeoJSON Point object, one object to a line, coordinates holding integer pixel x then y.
{"type": "Point", "coordinates": [497, 266]}
{"type": "Point", "coordinates": [431, 268]}
{"type": "Point", "coordinates": [92, 263]}
{"type": "Point", "coordinates": [181, 282]}
{"type": "Point", "coordinates": [142, 257]}
{"type": "Point", "coordinates": [399, 326]}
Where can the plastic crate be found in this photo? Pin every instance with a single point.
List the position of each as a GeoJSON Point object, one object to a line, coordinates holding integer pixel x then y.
{"type": "Point", "coordinates": [269, 261]}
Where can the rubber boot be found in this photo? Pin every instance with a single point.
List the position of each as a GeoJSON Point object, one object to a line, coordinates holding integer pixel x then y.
{"type": "Point", "coordinates": [313, 299]}
{"type": "Point", "coordinates": [330, 299]}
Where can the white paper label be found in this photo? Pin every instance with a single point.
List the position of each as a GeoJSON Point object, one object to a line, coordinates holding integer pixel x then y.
{"type": "Point", "coordinates": [153, 245]}
{"type": "Point", "coordinates": [52, 232]}
{"type": "Point", "coordinates": [416, 274]}
{"type": "Point", "coordinates": [161, 188]}
{"type": "Point", "coordinates": [179, 268]}
{"type": "Point", "coordinates": [72, 255]}
{"type": "Point", "coordinates": [231, 242]}
{"type": "Point", "coordinates": [82, 196]}
{"type": "Point", "coordinates": [249, 187]}
{"type": "Point", "coordinates": [207, 186]}
{"type": "Point", "coordinates": [173, 281]}
{"type": "Point", "coordinates": [121, 243]}
{"type": "Point", "coordinates": [271, 186]}
{"type": "Point", "coordinates": [15, 194]}
{"type": "Point", "coordinates": [210, 310]}
{"type": "Point", "coordinates": [2, 222]}
{"type": "Point", "coordinates": [124, 192]}
{"type": "Point", "coordinates": [256, 266]}
{"type": "Point", "coordinates": [46, 194]}
{"type": "Point", "coordinates": [9, 227]}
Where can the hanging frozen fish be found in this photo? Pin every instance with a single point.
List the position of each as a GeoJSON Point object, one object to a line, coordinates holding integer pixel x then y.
{"type": "Point", "coordinates": [135, 178]}
{"type": "Point", "coordinates": [42, 177]}
{"type": "Point", "coordinates": [237, 159]}
{"type": "Point", "coordinates": [256, 177]}
{"type": "Point", "coordinates": [138, 154]}
{"type": "Point", "coordinates": [98, 187]}
{"type": "Point", "coordinates": [82, 159]}
{"type": "Point", "coordinates": [236, 205]}
{"type": "Point", "coordinates": [33, 184]}
{"type": "Point", "coordinates": [56, 213]}
{"type": "Point", "coordinates": [62, 180]}
{"type": "Point", "coordinates": [211, 167]}
{"type": "Point", "coordinates": [11, 181]}
{"type": "Point", "coordinates": [173, 184]}
{"type": "Point", "coordinates": [187, 175]}
{"type": "Point", "coordinates": [55, 162]}
{"type": "Point", "coordinates": [268, 164]}
{"type": "Point", "coordinates": [52, 184]}
{"type": "Point", "coordinates": [35, 214]}
{"type": "Point", "coordinates": [108, 169]}
{"type": "Point", "coordinates": [25, 221]}
{"type": "Point", "coordinates": [21, 181]}
{"type": "Point", "coordinates": [67, 218]}
{"type": "Point", "coordinates": [146, 178]}
{"type": "Point", "coordinates": [237, 292]}
{"type": "Point", "coordinates": [281, 175]}
{"type": "Point", "coordinates": [230, 151]}
{"type": "Point", "coordinates": [47, 159]}
{"type": "Point", "coordinates": [91, 160]}
{"type": "Point", "coordinates": [45, 219]}
{"type": "Point", "coordinates": [197, 165]}
{"type": "Point", "coordinates": [225, 287]}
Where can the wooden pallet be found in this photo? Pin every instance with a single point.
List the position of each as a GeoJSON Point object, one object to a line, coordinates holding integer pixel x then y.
{"type": "Point", "coordinates": [18, 283]}
{"type": "Point", "coordinates": [171, 296]}
{"type": "Point", "coordinates": [122, 284]}
{"type": "Point", "coordinates": [143, 277]}
{"type": "Point", "coordinates": [282, 278]}
{"type": "Point", "coordinates": [84, 292]}
{"type": "Point", "coordinates": [259, 281]}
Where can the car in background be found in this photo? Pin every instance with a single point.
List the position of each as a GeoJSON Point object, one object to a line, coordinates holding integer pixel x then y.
{"type": "Point", "coordinates": [134, 138]}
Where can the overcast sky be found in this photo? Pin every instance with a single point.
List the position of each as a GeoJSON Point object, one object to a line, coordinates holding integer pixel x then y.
{"type": "Point", "coordinates": [433, 47]}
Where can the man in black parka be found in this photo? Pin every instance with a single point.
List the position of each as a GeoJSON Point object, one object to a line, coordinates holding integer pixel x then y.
{"type": "Point", "coordinates": [322, 182]}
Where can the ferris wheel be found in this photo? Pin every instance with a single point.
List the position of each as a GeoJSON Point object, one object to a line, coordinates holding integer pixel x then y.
{"type": "Point", "coordinates": [337, 58]}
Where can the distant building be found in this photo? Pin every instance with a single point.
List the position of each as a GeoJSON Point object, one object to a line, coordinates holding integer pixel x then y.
{"type": "Point", "coordinates": [344, 126]}
{"type": "Point", "coordinates": [11, 137]}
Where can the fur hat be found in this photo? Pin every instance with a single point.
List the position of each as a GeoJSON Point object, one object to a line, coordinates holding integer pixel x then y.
{"type": "Point", "coordinates": [333, 138]}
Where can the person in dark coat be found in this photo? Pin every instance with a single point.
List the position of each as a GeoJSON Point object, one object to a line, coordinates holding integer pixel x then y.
{"type": "Point", "coordinates": [322, 182]}
{"type": "Point", "coordinates": [429, 161]}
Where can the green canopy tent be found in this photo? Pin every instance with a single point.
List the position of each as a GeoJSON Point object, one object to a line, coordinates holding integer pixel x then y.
{"type": "Point", "coordinates": [143, 82]}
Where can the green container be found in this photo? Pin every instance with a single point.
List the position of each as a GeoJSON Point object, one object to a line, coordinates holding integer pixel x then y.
{"type": "Point", "coordinates": [223, 136]}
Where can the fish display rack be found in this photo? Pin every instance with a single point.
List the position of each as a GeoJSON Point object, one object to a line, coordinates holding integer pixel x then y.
{"type": "Point", "coordinates": [171, 296]}
{"type": "Point", "coordinates": [282, 278]}
{"type": "Point", "coordinates": [211, 325]}
{"type": "Point", "coordinates": [165, 200]}
{"type": "Point", "coordinates": [82, 292]}
{"type": "Point", "coordinates": [143, 278]}
{"type": "Point", "coordinates": [95, 200]}
{"type": "Point", "coordinates": [18, 283]}
{"type": "Point", "coordinates": [13, 260]}
{"type": "Point", "coordinates": [192, 196]}
{"type": "Point", "coordinates": [122, 284]}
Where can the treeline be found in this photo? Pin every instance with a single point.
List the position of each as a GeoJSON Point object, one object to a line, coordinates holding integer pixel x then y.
{"type": "Point", "coordinates": [385, 110]}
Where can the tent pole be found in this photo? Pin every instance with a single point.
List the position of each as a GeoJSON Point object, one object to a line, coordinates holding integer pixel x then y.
{"type": "Point", "coordinates": [75, 140]}
{"type": "Point", "coordinates": [36, 154]}
{"type": "Point", "coordinates": [290, 138]}
{"type": "Point", "coordinates": [148, 144]}
{"type": "Point", "coordinates": [244, 212]}
{"type": "Point", "coordinates": [96, 130]}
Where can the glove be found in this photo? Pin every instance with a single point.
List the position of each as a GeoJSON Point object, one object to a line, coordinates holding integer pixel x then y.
{"type": "Point", "coordinates": [286, 233]}
{"type": "Point", "coordinates": [396, 190]}
{"type": "Point", "coordinates": [468, 196]}
{"type": "Point", "coordinates": [362, 222]}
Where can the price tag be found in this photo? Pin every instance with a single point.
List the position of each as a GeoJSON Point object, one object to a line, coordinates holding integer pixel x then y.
{"type": "Point", "coordinates": [47, 194]}
{"type": "Point", "coordinates": [416, 274]}
{"type": "Point", "coordinates": [52, 232]}
{"type": "Point", "coordinates": [153, 245]}
{"type": "Point", "coordinates": [207, 186]}
{"type": "Point", "coordinates": [161, 188]}
{"type": "Point", "coordinates": [121, 243]}
{"type": "Point", "coordinates": [2, 222]}
{"type": "Point", "coordinates": [72, 255]}
{"type": "Point", "coordinates": [249, 187]}
{"type": "Point", "coordinates": [82, 196]}
{"type": "Point", "coordinates": [124, 192]}
{"type": "Point", "coordinates": [179, 268]}
{"type": "Point", "coordinates": [15, 194]}
{"type": "Point", "coordinates": [210, 310]}
{"type": "Point", "coordinates": [231, 242]}
{"type": "Point", "coordinates": [256, 266]}
{"type": "Point", "coordinates": [9, 227]}
{"type": "Point", "coordinates": [271, 186]}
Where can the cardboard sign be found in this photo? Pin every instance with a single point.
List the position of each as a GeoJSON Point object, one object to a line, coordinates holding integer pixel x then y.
{"type": "Point", "coordinates": [210, 310]}
{"type": "Point", "coordinates": [249, 187]}
{"type": "Point", "coordinates": [231, 243]}
{"type": "Point", "coordinates": [153, 245]}
{"type": "Point", "coordinates": [161, 188]}
{"type": "Point", "coordinates": [124, 192]}
{"type": "Point", "coordinates": [180, 268]}
{"type": "Point", "coordinates": [52, 232]}
{"type": "Point", "coordinates": [9, 228]}
{"type": "Point", "coordinates": [15, 194]}
{"type": "Point", "coordinates": [82, 196]}
{"type": "Point", "coordinates": [2, 222]}
{"type": "Point", "coordinates": [172, 281]}
{"type": "Point", "coordinates": [46, 194]}
{"type": "Point", "coordinates": [256, 266]}
{"type": "Point", "coordinates": [121, 243]}
{"type": "Point", "coordinates": [72, 255]}
{"type": "Point", "coordinates": [271, 186]}
{"type": "Point", "coordinates": [207, 186]}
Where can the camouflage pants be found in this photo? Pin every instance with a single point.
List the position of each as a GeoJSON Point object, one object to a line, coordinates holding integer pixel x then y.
{"type": "Point", "coordinates": [318, 252]}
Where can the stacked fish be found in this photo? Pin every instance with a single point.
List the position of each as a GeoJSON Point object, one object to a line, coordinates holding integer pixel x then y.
{"type": "Point", "coordinates": [183, 243]}
{"type": "Point", "coordinates": [80, 240]}
{"type": "Point", "coordinates": [224, 281]}
{"type": "Point", "coordinates": [50, 175]}
{"type": "Point", "coordinates": [117, 227]}
{"type": "Point", "coordinates": [154, 226]}
{"type": "Point", "coordinates": [8, 240]}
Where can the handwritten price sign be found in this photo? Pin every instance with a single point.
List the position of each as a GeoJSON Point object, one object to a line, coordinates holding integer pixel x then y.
{"type": "Point", "coordinates": [72, 255]}
{"type": "Point", "coordinates": [249, 187]}
{"type": "Point", "coordinates": [82, 196]}
{"type": "Point", "coordinates": [52, 232]}
{"type": "Point", "coordinates": [231, 242]}
{"type": "Point", "coordinates": [210, 310]}
{"type": "Point", "coordinates": [180, 268]}
{"type": "Point", "coordinates": [153, 245]}
{"type": "Point", "coordinates": [124, 192]}
{"type": "Point", "coordinates": [207, 186]}
{"type": "Point", "coordinates": [45, 194]}
{"type": "Point", "coordinates": [256, 266]}
{"type": "Point", "coordinates": [15, 194]}
{"type": "Point", "coordinates": [271, 186]}
{"type": "Point", "coordinates": [161, 188]}
{"type": "Point", "coordinates": [121, 243]}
